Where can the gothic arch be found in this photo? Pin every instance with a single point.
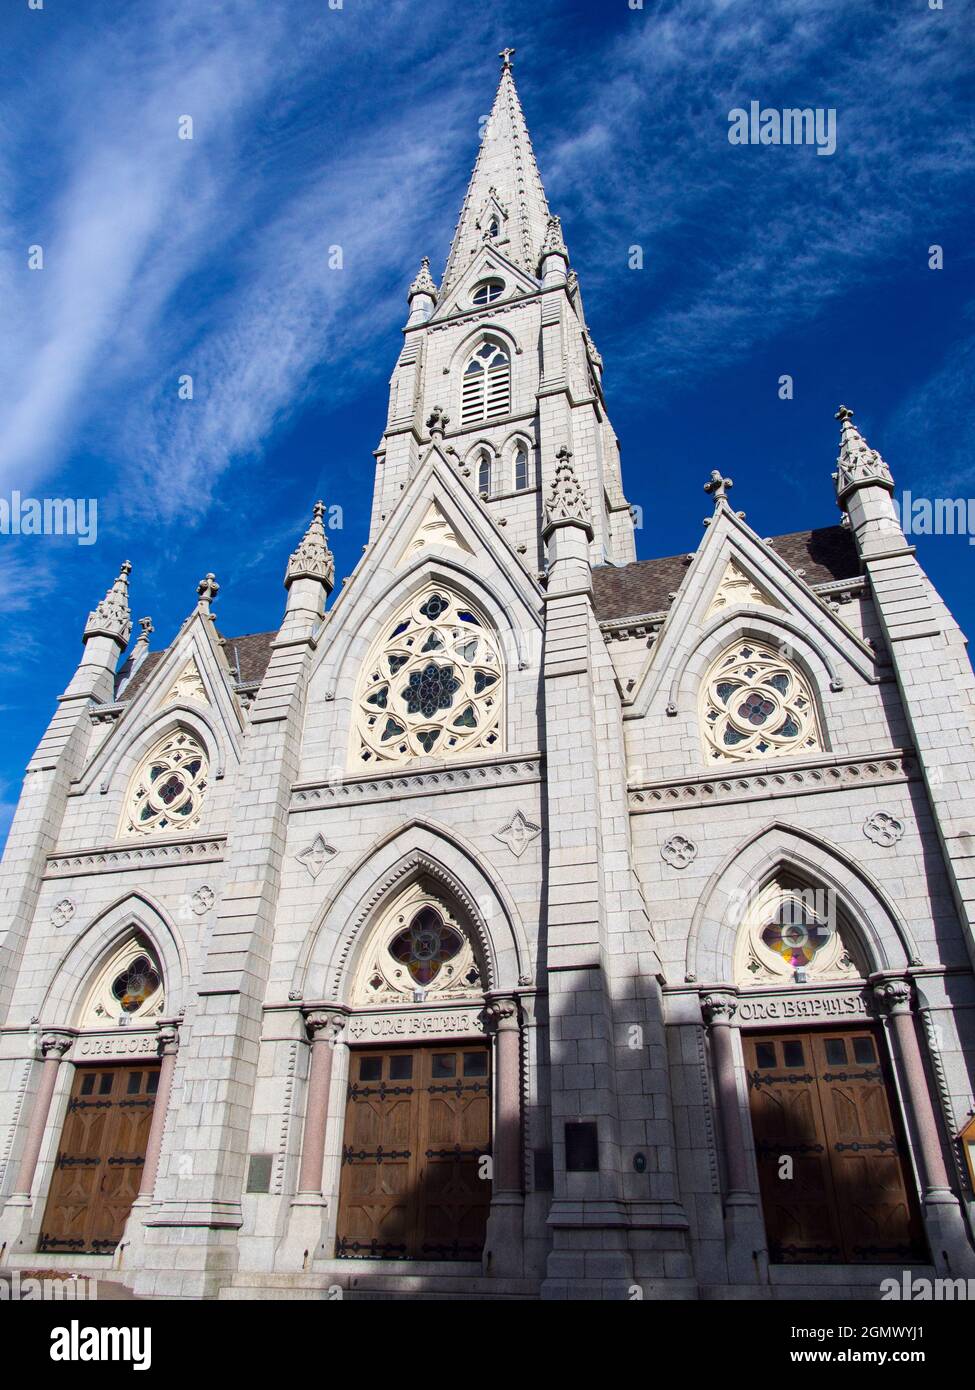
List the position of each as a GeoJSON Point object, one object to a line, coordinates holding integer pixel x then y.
{"type": "Point", "coordinates": [87, 954]}
{"type": "Point", "coordinates": [502, 336]}
{"type": "Point", "coordinates": [743, 624]}
{"type": "Point", "coordinates": [158, 726]}
{"type": "Point", "coordinates": [351, 648]}
{"type": "Point", "coordinates": [329, 955]}
{"type": "Point", "coordinates": [883, 934]}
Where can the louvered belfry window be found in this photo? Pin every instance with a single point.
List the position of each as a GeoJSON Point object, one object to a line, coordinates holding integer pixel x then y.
{"type": "Point", "coordinates": [487, 385]}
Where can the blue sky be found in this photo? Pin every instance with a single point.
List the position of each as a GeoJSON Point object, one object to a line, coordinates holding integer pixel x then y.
{"type": "Point", "coordinates": [357, 127]}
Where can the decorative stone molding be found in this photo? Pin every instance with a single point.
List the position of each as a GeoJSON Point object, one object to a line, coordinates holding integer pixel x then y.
{"type": "Point", "coordinates": [567, 502]}
{"type": "Point", "coordinates": [62, 913]}
{"type": "Point", "coordinates": [518, 833]}
{"type": "Point", "coordinates": [488, 773]}
{"type": "Point", "coordinates": [160, 854]}
{"type": "Point", "coordinates": [883, 829]}
{"type": "Point", "coordinates": [316, 856]}
{"type": "Point", "coordinates": [678, 851]}
{"type": "Point", "coordinates": [897, 766]}
{"type": "Point", "coordinates": [312, 559]}
{"type": "Point", "coordinates": [202, 900]}
{"type": "Point", "coordinates": [111, 617]}
{"type": "Point", "coordinates": [420, 1022]}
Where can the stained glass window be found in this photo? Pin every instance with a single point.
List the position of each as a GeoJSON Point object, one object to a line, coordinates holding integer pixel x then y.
{"type": "Point", "coordinates": [756, 704]}
{"type": "Point", "coordinates": [167, 792]}
{"type": "Point", "coordinates": [425, 945]}
{"type": "Point", "coordinates": [797, 932]}
{"type": "Point", "coordinates": [135, 984]}
{"type": "Point", "coordinates": [432, 686]}
{"type": "Point", "coordinates": [127, 987]}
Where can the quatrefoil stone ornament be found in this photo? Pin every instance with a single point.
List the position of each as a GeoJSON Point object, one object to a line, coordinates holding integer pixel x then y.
{"type": "Point", "coordinates": [883, 829]}
{"type": "Point", "coordinates": [518, 833]}
{"type": "Point", "coordinates": [63, 912]}
{"type": "Point", "coordinates": [316, 856]}
{"type": "Point", "coordinates": [679, 851]}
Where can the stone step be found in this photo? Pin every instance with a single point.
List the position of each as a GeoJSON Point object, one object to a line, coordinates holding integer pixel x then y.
{"type": "Point", "coordinates": [374, 1285]}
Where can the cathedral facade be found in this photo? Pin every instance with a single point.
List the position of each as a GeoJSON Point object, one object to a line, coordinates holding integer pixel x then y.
{"type": "Point", "coordinates": [524, 920]}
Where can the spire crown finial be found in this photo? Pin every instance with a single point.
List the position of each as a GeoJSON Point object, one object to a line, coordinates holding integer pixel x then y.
{"type": "Point", "coordinates": [423, 282]}
{"type": "Point", "coordinates": [506, 56]}
{"type": "Point", "coordinates": [111, 617]}
{"type": "Point", "coordinates": [567, 501]}
{"type": "Point", "coordinates": [857, 464]}
{"type": "Point", "coordinates": [311, 558]}
{"type": "Point", "coordinates": [207, 590]}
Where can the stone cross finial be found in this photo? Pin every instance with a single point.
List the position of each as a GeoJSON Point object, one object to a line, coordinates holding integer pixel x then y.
{"type": "Point", "coordinates": [857, 463]}
{"type": "Point", "coordinates": [506, 56]}
{"type": "Point", "coordinates": [207, 590]}
{"type": "Point", "coordinates": [719, 487]}
{"type": "Point", "coordinates": [111, 618]}
{"type": "Point", "coordinates": [312, 559]}
{"type": "Point", "coordinates": [437, 422]}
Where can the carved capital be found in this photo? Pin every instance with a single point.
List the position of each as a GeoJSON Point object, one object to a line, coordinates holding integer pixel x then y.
{"type": "Point", "coordinates": [893, 996]}
{"type": "Point", "coordinates": [718, 1009]}
{"type": "Point", "coordinates": [55, 1045]}
{"type": "Point", "coordinates": [167, 1036]}
{"type": "Point", "coordinates": [503, 1014]}
{"type": "Point", "coordinates": [324, 1025]}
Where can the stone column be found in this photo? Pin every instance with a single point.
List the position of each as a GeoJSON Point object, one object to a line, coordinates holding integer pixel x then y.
{"type": "Point", "coordinates": [943, 1219]}
{"type": "Point", "coordinates": [168, 1048]}
{"type": "Point", "coordinates": [306, 1235]}
{"type": "Point", "coordinates": [53, 1047]}
{"type": "Point", "coordinates": [504, 1243]}
{"type": "Point", "coordinates": [744, 1224]}
{"type": "Point", "coordinates": [18, 1226]}
{"type": "Point", "coordinates": [323, 1028]}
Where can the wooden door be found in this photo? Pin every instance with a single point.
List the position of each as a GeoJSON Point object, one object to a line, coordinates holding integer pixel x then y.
{"type": "Point", "coordinates": [821, 1100]}
{"type": "Point", "coordinates": [100, 1159]}
{"type": "Point", "coordinates": [417, 1125]}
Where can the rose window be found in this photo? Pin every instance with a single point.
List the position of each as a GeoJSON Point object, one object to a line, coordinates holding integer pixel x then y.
{"type": "Point", "coordinates": [757, 705]}
{"type": "Point", "coordinates": [433, 686]}
{"type": "Point", "coordinates": [168, 790]}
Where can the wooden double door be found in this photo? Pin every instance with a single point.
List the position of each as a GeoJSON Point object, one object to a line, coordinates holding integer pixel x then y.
{"type": "Point", "coordinates": [100, 1158]}
{"type": "Point", "coordinates": [835, 1184]}
{"type": "Point", "coordinates": [414, 1181]}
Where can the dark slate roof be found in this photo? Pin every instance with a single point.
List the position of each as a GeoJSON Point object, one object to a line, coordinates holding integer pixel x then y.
{"type": "Point", "coordinates": [253, 651]}
{"type": "Point", "coordinates": [628, 591]}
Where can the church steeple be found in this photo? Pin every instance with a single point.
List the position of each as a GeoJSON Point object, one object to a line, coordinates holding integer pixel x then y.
{"type": "Point", "coordinates": [505, 204]}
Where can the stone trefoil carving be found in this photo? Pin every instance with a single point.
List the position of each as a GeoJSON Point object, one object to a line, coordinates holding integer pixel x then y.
{"type": "Point", "coordinates": [188, 685]}
{"type": "Point", "coordinates": [883, 829]}
{"type": "Point", "coordinates": [316, 856]}
{"type": "Point", "coordinates": [518, 833]}
{"type": "Point", "coordinates": [62, 913]}
{"type": "Point", "coordinates": [312, 559]}
{"type": "Point", "coordinates": [566, 500]}
{"type": "Point", "coordinates": [679, 851]}
{"type": "Point", "coordinates": [202, 900]}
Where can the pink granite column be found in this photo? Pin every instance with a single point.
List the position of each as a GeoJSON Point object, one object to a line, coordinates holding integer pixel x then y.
{"type": "Point", "coordinates": [168, 1048]}
{"type": "Point", "coordinates": [896, 995]}
{"type": "Point", "coordinates": [718, 1011]}
{"type": "Point", "coordinates": [507, 1172]}
{"type": "Point", "coordinates": [53, 1046]}
{"type": "Point", "coordinates": [323, 1027]}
